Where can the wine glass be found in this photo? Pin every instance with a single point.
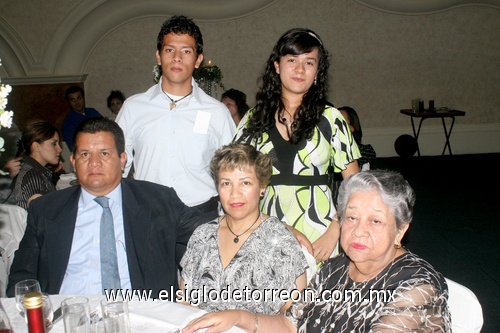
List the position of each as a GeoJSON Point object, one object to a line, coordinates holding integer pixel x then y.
{"type": "Point", "coordinates": [47, 310]}
{"type": "Point", "coordinates": [22, 288]}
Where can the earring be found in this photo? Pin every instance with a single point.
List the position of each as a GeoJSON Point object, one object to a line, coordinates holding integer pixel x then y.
{"type": "Point", "coordinates": [262, 193]}
{"type": "Point", "coordinates": [315, 81]}
{"type": "Point", "coordinates": [397, 246]}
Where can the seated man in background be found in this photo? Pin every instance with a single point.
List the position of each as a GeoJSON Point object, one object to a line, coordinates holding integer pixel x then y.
{"type": "Point", "coordinates": [63, 246]}
{"type": "Point", "coordinates": [78, 113]}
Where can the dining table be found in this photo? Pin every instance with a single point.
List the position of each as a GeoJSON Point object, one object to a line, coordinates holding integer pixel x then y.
{"type": "Point", "coordinates": [66, 180]}
{"type": "Point", "coordinates": [145, 316]}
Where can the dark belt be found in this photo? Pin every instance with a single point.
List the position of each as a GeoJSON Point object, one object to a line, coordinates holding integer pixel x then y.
{"type": "Point", "coordinates": [296, 180]}
{"type": "Point", "coordinates": [211, 205]}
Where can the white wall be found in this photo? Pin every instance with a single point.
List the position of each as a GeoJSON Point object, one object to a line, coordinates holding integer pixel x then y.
{"type": "Point", "coordinates": [382, 57]}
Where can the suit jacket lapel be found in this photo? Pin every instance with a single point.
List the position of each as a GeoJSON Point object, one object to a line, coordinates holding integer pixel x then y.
{"type": "Point", "coordinates": [136, 224]}
{"type": "Point", "coordinates": [60, 238]}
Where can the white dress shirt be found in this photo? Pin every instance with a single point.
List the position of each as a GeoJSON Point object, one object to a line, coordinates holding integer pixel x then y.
{"type": "Point", "coordinates": [174, 147]}
{"type": "Point", "coordinates": [83, 274]}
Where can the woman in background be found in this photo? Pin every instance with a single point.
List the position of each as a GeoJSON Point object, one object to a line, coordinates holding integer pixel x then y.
{"type": "Point", "coordinates": [304, 137]}
{"type": "Point", "coordinates": [243, 249]}
{"type": "Point", "coordinates": [236, 102]}
{"type": "Point", "coordinates": [40, 141]}
{"type": "Point", "coordinates": [115, 101]}
{"type": "Point", "coordinates": [368, 154]}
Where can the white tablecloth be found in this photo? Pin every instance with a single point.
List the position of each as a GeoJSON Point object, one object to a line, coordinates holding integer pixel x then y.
{"type": "Point", "coordinates": [65, 181]}
{"type": "Point", "coordinates": [146, 317]}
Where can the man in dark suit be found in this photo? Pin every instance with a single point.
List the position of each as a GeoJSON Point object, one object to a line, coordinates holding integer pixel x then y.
{"type": "Point", "coordinates": [61, 245]}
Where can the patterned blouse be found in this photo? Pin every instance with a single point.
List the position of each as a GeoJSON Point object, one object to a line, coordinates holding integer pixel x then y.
{"type": "Point", "coordinates": [307, 207]}
{"type": "Point", "coordinates": [407, 296]}
{"type": "Point", "coordinates": [271, 259]}
{"type": "Point", "coordinates": [33, 179]}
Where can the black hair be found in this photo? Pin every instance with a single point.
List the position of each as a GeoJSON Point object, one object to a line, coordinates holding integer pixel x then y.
{"type": "Point", "coordinates": [354, 122]}
{"type": "Point", "coordinates": [101, 124]}
{"type": "Point", "coordinates": [181, 25]}
{"type": "Point", "coordinates": [115, 94]}
{"type": "Point", "coordinates": [240, 98]}
{"type": "Point", "coordinates": [295, 42]}
{"type": "Point", "coordinates": [72, 90]}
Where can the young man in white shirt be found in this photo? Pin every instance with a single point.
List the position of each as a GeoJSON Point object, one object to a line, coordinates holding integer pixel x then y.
{"type": "Point", "coordinates": [173, 129]}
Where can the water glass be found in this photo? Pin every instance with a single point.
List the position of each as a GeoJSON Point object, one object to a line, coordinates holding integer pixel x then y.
{"type": "Point", "coordinates": [105, 325]}
{"type": "Point", "coordinates": [22, 288]}
{"type": "Point", "coordinates": [76, 314]}
{"type": "Point", "coordinates": [119, 313]}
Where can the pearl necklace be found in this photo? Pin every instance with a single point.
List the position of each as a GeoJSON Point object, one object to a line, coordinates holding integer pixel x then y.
{"type": "Point", "coordinates": [236, 239]}
{"type": "Point", "coordinates": [173, 103]}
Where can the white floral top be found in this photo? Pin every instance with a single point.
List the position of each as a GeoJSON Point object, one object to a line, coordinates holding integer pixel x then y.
{"type": "Point", "coordinates": [271, 259]}
{"type": "Point", "coordinates": [407, 296]}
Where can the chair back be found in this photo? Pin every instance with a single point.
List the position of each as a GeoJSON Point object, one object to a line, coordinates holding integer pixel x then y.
{"type": "Point", "coordinates": [12, 226]}
{"type": "Point", "coordinates": [465, 309]}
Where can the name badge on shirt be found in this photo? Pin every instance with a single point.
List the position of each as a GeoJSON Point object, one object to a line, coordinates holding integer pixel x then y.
{"type": "Point", "coordinates": [202, 122]}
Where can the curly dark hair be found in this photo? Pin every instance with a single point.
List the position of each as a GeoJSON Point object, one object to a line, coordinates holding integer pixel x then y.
{"type": "Point", "coordinates": [115, 94]}
{"type": "Point", "coordinates": [295, 42]}
{"type": "Point", "coordinates": [181, 25]}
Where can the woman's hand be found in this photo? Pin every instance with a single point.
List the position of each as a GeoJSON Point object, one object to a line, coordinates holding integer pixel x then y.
{"type": "Point", "coordinates": [33, 197]}
{"type": "Point", "coordinates": [59, 167]}
{"type": "Point", "coordinates": [13, 166]}
{"type": "Point", "coordinates": [350, 169]}
{"type": "Point", "coordinates": [214, 322]}
{"type": "Point", "coordinates": [325, 244]}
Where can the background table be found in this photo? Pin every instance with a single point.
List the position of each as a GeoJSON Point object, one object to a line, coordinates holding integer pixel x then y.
{"type": "Point", "coordinates": [437, 114]}
{"type": "Point", "coordinates": [145, 316]}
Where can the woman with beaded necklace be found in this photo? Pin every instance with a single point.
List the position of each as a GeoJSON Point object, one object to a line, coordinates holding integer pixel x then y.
{"type": "Point", "coordinates": [243, 249]}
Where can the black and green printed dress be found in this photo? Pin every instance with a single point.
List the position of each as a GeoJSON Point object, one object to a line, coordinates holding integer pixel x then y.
{"type": "Point", "coordinates": [299, 193]}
